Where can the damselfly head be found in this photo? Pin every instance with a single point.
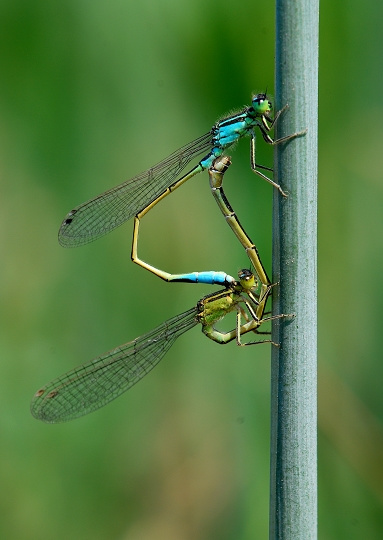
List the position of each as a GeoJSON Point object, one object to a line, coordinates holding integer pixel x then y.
{"type": "Point", "coordinates": [262, 104]}
{"type": "Point", "coordinates": [247, 279]}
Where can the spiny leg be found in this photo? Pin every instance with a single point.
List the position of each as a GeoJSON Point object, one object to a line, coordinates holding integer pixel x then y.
{"type": "Point", "coordinates": [266, 125]}
{"type": "Point", "coordinates": [269, 123]}
{"type": "Point", "coordinates": [225, 337]}
{"type": "Point", "coordinates": [281, 316]}
{"type": "Point", "coordinates": [255, 167]}
{"type": "Point", "coordinates": [239, 331]}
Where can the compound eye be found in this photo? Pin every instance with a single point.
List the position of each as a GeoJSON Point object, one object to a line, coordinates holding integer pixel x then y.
{"type": "Point", "coordinates": [245, 274]}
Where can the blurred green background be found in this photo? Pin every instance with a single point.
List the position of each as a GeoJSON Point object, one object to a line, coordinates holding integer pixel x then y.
{"type": "Point", "coordinates": [90, 94]}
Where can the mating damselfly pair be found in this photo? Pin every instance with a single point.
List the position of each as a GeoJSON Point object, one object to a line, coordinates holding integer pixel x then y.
{"type": "Point", "coordinates": [94, 384]}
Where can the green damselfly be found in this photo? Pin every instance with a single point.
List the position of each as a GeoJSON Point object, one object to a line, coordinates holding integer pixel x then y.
{"type": "Point", "coordinates": [96, 383]}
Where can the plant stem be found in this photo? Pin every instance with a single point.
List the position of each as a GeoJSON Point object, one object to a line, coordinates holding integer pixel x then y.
{"type": "Point", "coordinates": [293, 505]}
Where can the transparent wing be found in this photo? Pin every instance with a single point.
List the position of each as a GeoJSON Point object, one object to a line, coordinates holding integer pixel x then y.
{"type": "Point", "coordinates": [107, 211]}
{"type": "Point", "coordinates": [96, 383]}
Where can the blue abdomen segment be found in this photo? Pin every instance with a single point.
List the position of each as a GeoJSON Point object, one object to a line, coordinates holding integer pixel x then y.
{"type": "Point", "coordinates": [210, 278]}
{"type": "Point", "coordinates": [208, 160]}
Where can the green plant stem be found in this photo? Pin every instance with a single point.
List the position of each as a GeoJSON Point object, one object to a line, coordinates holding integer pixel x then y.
{"type": "Point", "coordinates": [293, 505]}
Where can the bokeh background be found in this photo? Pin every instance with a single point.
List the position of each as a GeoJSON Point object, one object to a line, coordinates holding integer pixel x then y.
{"type": "Point", "coordinates": [90, 94]}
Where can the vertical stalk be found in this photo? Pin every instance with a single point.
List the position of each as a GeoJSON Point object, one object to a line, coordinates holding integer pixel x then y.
{"type": "Point", "coordinates": [293, 506]}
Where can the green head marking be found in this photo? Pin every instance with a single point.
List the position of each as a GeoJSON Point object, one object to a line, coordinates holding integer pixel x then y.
{"type": "Point", "coordinates": [247, 279]}
{"type": "Point", "coordinates": [261, 104]}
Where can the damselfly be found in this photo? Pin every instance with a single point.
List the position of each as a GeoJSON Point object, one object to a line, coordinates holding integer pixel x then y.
{"type": "Point", "coordinates": [96, 383]}
{"type": "Point", "coordinates": [138, 195]}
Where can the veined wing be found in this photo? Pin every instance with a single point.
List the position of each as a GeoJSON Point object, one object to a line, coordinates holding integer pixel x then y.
{"type": "Point", "coordinates": [96, 383]}
{"type": "Point", "coordinates": [107, 211]}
